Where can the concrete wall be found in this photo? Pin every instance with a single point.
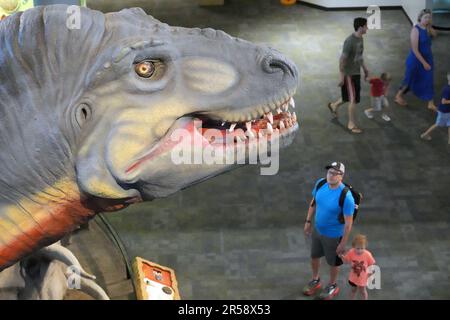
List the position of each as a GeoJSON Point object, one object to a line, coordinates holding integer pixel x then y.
{"type": "Point", "coordinates": [353, 3]}
{"type": "Point", "coordinates": [411, 7]}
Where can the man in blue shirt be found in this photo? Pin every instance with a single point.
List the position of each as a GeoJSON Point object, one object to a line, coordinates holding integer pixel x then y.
{"type": "Point", "coordinates": [329, 236]}
{"type": "Point", "coordinates": [443, 116]}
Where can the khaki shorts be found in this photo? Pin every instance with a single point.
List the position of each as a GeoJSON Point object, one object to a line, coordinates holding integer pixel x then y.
{"type": "Point", "coordinates": [324, 246]}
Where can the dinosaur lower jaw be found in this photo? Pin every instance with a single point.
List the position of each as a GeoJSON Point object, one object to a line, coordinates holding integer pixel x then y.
{"type": "Point", "coordinates": [208, 132]}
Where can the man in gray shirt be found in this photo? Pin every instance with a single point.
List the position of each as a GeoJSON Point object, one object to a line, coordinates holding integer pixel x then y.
{"type": "Point", "coordinates": [350, 73]}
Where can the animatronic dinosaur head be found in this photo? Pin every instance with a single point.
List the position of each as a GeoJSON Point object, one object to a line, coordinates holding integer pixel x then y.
{"type": "Point", "coordinates": [149, 79]}
{"type": "Point", "coordinates": [92, 110]}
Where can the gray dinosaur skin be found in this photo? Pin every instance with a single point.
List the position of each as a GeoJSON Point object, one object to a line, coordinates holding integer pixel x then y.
{"type": "Point", "coordinates": [73, 108]}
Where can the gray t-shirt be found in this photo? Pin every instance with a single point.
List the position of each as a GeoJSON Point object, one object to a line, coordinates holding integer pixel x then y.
{"type": "Point", "coordinates": [353, 54]}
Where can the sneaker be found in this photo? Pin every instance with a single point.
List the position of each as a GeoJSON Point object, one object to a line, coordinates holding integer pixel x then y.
{"type": "Point", "coordinates": [368, 114]}
{"type": "Point", "coordinates": [385, 117]}
{"type": "Point", "coordinates": [329, 292]}
{"type": "Point", "coordinates": [312, 287]}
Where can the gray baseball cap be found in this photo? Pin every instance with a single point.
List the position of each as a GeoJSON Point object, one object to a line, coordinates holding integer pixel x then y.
{"type": "Point", "coordinates": [338, 166]}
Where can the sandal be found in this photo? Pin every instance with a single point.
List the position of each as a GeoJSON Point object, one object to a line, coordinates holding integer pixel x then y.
{"type": "Point", "coordinates": [354, 130]}
{"type": "Point", "coordinates": [425, 137]}
{"type": "Point", "coordinates": [401, 102]}
{"type": "Point", "coordinates": [432, 108]}
{"type": "Point", "coordinates": [333, 112]}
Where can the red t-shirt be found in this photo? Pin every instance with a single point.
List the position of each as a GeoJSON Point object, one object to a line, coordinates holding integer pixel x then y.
{"type": "Point", "coordinates": [360, 263]}
{"type": "Point", "coordinates": [376, 87]}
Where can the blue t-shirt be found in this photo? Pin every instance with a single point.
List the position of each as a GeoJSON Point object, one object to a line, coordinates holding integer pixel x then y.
{"type": "Point", "coordinates": [445, 108]}
{"type": "Point", "coordinates": [328, 210]}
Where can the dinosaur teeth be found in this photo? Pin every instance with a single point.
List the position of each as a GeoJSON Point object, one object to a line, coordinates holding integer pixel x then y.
{"type": "Point", "coordinates": [250, 134]}
{"type": "Point", "coordinates": [240, 138]}
{"type": "Point", "coordinates": [231, 129]}
{"type": "Point", "coordinates": [261, 122]}
{"type": "Point", "coordinates": [269, 116]}
{"type": "Point", "coordinates": [292, 103]}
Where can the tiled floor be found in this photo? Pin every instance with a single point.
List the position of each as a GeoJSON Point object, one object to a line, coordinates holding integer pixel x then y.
{"type": "Point", "coordinates": [239, 235]}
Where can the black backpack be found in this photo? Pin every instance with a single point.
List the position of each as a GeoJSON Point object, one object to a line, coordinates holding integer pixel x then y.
{"type": "Point", "coordinates": [356, 196]}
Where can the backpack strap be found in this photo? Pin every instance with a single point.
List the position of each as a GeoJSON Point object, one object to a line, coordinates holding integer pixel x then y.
{"type": "Point", "coordinates": [342, 197]}
{"type": "Point", "coordinates": [319, 185]}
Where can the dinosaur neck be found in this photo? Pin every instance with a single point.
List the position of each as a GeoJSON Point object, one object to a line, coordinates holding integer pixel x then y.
{"type": "Point", "coordinates": [40, 219]}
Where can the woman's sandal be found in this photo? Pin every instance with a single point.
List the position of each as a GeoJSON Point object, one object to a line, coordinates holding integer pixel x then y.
{"type": "Point", "coordinates": [354, 130]}
{"type": "Point", "coordinates": [432, 108]}
{"type": "Point", "coordinates": [334, 113]}
{"type": "Point", "coordinates": [401, 102]}
{"type": "Point", "coordinates": [425, 137]}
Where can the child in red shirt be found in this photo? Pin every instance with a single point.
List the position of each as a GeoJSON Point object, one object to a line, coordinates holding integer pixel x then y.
{"type": "Point", "coordinates": [360, 260]}
{"type": "Point", "coordinates": [379, 88]}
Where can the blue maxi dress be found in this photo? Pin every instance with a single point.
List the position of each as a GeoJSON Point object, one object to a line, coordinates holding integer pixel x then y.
{"type": "Point", "coordinates": [417, 79]}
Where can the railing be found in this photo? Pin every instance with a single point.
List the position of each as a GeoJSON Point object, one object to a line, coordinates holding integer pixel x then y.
{"type": "Point", "coordinates": [112, 233]}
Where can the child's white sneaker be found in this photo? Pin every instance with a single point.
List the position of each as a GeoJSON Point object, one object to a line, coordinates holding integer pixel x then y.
{"type": "Point", "coordinates": [368, 114]}
{"type": "Point", "coordinates": [385, 117]}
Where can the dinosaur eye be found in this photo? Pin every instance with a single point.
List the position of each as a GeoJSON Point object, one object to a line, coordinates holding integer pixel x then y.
{"type": "Point", "coordinates": [145, 69]}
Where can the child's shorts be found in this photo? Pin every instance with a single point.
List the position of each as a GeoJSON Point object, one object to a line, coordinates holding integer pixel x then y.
{"type": "Point", "coordinates": [378, 103]}
{"type": "Point", "coordinates": [443, 119]}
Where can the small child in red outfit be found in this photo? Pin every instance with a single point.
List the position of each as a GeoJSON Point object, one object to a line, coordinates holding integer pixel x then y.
{"type": "Point", "coordinates": [379, 88]}
{"type": "Point", "coordinates": [360, 260]}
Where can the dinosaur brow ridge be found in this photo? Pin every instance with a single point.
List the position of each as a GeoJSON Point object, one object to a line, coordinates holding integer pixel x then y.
{"type": "Point", "coordinates": [137, 46]}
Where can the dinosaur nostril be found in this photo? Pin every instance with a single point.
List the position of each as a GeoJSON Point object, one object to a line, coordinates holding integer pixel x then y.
{"type": "Point", "coordinates": [272, 64]}
{"type": "Point", "coordinates": [278, 64]}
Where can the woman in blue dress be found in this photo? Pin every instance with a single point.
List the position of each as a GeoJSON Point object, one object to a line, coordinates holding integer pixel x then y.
{"type": "Point", "coordinates": [419, 63]}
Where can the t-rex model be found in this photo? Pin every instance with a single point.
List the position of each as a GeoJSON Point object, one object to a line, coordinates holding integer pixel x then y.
{"type": "Point", "coordinates": [86, 113]}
